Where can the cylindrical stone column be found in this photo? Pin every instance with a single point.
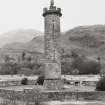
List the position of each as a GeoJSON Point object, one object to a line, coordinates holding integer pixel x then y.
{"type": "Point", "coordinates": [52, 53]}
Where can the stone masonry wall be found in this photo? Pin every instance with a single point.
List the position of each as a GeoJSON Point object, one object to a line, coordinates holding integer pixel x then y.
{"type": "Point", "coordinates": [29, 97]}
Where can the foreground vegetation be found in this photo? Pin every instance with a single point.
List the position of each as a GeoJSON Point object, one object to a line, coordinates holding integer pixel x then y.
{"type": "Point", "coordinates": [101, 85]}
{"type": "Point", "coordinates": [70, 64]}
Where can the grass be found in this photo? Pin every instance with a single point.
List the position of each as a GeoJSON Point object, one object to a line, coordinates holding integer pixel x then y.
{"type": "Point", "coordinates": [20, 88]}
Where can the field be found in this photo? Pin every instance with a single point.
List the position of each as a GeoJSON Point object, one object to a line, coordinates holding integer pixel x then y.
{"type": "Point", "coordinates": [67, 88]}
{"type": "Point", "coordinates": [21, 88]}
{"type": "Point", "coordinates": [80, 88]}
{"type": "Point", "coordinates": [74, 103]}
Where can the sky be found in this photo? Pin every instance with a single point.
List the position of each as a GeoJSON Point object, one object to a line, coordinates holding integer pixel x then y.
{"type": "Point", "coordinates": [27, 14]}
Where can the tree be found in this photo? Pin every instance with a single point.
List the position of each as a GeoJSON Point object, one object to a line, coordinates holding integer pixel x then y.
{"type": "Point", "coordinates": [75, 72]}
{"type": "Point", "coordinates": [101, 85]}
{"type": "Point", "coordinates": [9, 68]}
{"type": "Point", "coordinates": [74, 54]}
{"type": "Point", "coordinates": [6, 58]}
{"type": "Point", "coordinates": [23, 55]}
{"type": "Point", "coordinates": [38, 69]}
{"type": "Point", "coordinates": [40, 80]}
{"type": "Point", "coordinates": [24, 81]}
{"type": "Point", "coordinates": [66, 68]}
{"type": "Point", "coordinates": [6, 69]}
{"type": "Point", "coordinates": [86, 66]}
{"type": "Point", "coordinates": [29, 58]}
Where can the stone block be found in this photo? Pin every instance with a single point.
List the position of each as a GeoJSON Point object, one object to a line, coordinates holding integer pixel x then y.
{"type": "Point", "coordinates": [53, 84]}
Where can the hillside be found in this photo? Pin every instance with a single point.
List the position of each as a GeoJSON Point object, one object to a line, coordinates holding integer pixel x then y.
{"type": "Point", "coordinates": [36, 44]}
{"type": "Point", "coordinates": [88, 40]}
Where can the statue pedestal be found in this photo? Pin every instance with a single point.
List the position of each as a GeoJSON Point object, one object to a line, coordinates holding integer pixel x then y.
{"type": "Point", "coordinates": [53, 84]}
{"type": "Point", "coordinates": [53, 76]}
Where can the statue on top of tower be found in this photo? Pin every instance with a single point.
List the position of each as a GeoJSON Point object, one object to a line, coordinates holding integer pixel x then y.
{"type": "Point", "coordinates": [52, 3]}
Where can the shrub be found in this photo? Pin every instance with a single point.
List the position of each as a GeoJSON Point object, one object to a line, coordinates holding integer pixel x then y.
{"type": "Point", "coordinates": [101, 85]}
{"type": "Point", "coordinates": [86, 66]}
{"type": "Point", "coordinates": [40, 79]}
{"type": "Point", "coordinates": [24, 81]}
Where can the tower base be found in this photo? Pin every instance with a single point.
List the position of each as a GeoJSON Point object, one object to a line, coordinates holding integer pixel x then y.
{"type": "Point", "coordinates": [53, 84]}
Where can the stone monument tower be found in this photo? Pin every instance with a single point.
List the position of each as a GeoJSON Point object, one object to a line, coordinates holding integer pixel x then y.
{"type": "Point", "coordinates": [52, 51]}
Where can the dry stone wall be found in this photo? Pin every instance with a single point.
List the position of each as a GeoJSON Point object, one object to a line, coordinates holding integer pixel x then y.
{"type": "Point", "coordinates": [15, 83]}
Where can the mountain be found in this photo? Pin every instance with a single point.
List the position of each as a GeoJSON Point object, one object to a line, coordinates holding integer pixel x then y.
{"type": "Point", "coordinates": [87, 40]}
{"type": "Point", "coordinates": [17, 41]}
{"type": "Point", "coordinates": [18, 36]}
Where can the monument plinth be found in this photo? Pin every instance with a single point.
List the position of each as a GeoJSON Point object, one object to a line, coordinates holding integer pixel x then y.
{"type": "Point", "coordinates": [52, 33]}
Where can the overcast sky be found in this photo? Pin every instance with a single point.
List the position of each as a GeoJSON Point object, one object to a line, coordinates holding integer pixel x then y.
{"type": "Point", "coordinates": [27, 14]}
